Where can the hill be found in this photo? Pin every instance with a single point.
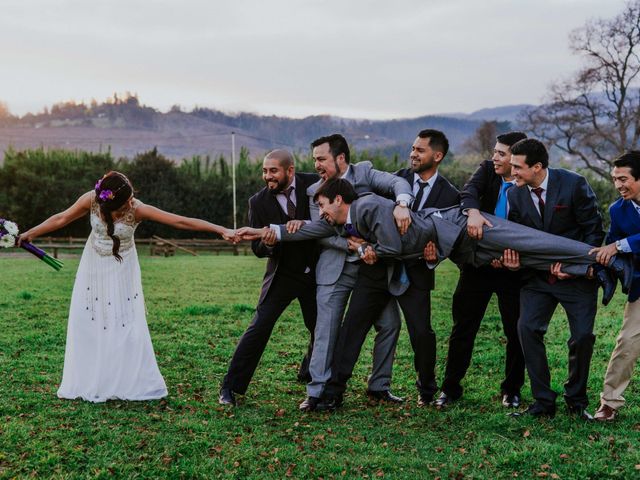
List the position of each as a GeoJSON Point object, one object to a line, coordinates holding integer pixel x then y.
{"type": "Point", "coordinates": [126, 127]}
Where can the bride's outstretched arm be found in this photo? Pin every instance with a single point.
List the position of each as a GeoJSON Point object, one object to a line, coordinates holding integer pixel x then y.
{"type": "Point", "coordinates": [55, 222]}
{"type": "Point", "coordinates": [148, 212]}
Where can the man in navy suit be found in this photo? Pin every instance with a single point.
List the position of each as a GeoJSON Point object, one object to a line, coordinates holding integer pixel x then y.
{"type": "Point", "coordinates": [623, 238]}
{"type": "Point", "coordinates": [560, 202]}
{"type": "Point", "coordinates": [486, 191]}
{"type": "Point", "coordinates": [290, 272]}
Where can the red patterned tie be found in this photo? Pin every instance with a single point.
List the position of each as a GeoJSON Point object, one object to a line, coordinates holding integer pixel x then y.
{"type": "Point", "coordinates": [538, 191]}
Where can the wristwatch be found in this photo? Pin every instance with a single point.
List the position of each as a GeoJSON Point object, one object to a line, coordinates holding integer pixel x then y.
{"type": "Point", "coordinates": [619, 245]}
{"type": "Point", "coordinates": [402, 203]}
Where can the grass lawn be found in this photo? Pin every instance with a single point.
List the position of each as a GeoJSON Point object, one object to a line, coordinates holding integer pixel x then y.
{"type": "Point", "coordinates": [197, 309]}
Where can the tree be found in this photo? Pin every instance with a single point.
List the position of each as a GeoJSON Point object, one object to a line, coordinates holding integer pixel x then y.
{"type": "Point", "coordinates": [483, 140]}
{"type": "Point", "coordinates": [595, 115]}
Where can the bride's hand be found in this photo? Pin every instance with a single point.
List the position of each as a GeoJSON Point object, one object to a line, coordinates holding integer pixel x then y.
{"type": "Point", "coordinates": [24, 237]}
{"type": "Point", "coordinates": [230, 235]}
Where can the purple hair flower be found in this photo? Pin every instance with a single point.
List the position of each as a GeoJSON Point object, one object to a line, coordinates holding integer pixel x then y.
{"type": "Point", "coordinates": [98, 183]}
{"type": "Point", "coordinates": [106, 195]}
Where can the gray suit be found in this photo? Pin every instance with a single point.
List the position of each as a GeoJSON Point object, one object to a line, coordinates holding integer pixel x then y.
{"type": "Point", "coordinates": [373, 218]}
{"type": "Point", "coordinates": [336, 273]}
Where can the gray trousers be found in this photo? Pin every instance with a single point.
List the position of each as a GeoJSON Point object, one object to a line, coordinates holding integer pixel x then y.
{"type": "Point", "coordinates": [538, 249]}
{"type": "Point", "coordinates": [332, 302]}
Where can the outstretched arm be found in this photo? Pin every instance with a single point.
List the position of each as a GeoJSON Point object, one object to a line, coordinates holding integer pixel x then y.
{"type": "Point", "coordinates": [147, 212]}
{"type": "Point", "coordinates": [80, 208]}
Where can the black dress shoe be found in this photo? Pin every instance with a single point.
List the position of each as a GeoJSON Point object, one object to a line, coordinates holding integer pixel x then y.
{"type": "Point", "coordinates": [424, 399]}
{"type": "Point", "coordinates": [443, 401]}
{"type": "Point", "coordinates": [607, 281]}
{"type": "Point", "coordinates": [309, 404]}
{"type": "Point", "coordinates": [622, 267]}
{"type": "Point", "coordinates": [227, 397]}
{"type": "Point", "coordinates": [510, 401]}
{"type": "Point", "coordinates": [579, 412]}
{"type": "Point", "coordinates": [383, 396]}
{"type": "Point", "coordinates": [536, 409]}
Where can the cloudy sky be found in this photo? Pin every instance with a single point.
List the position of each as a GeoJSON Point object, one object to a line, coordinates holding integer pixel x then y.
{"type": "Point", "coordinates": [354, 58]}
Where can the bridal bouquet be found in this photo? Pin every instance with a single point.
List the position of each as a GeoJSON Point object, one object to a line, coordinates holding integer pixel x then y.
{"type": "Point", "coordinates": [8, 236]}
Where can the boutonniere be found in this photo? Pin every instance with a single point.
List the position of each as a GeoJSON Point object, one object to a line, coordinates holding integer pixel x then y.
{"type": "Point", "coordinates": [559, 207]}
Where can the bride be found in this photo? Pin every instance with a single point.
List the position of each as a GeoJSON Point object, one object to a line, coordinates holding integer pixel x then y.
{"type": "Point", "coordinates": [109, 354]}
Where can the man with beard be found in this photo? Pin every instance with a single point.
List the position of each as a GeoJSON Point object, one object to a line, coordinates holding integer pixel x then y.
{"type": "Point", "coordinates": [338, 267]}
{"type": "Point", "coordinates": [415, 280]}
{"type": "Point", "coordinates": [290, 272]}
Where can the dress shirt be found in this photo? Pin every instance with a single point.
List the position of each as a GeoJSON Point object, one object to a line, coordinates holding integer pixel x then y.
{"type": "Point", "coordinates": [282, 198]}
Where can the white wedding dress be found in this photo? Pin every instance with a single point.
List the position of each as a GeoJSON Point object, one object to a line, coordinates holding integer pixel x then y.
{"type": "Point", "coordinates": [109, 354]}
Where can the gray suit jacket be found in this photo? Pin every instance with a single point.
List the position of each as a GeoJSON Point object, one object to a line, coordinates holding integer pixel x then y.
{"type": "Point", "coordinates": [364, 178]}
{"type": "Point", "coordinates": [372, 216]}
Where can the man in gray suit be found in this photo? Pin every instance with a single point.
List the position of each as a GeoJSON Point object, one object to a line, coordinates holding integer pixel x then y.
{"type": "Point", "coordinates": [337, 269]}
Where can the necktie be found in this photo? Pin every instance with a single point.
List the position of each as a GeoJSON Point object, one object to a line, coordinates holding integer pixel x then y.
{"type": "Point", "coordinates": [538, 191]}
{"type": "Point", "coordinates": [416, 203]}
{"type": "Point", "coordinates": [501, 204]}
{"type": "Point", "coordinates": [351, 230]}
{"type": "Point", "coordinates": [291, 208]}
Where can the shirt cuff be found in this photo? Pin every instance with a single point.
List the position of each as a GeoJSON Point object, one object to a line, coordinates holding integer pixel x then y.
{"type": "Point", "coordinates": [624, 246]}
{"type": "Point", "coordinates": [276, 228]}
{"type": "Point", "coordinates": [404, 197]}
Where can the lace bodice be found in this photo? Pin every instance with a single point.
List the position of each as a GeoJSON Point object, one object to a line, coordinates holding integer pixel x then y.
{"type": "Point", "coordinates": [124, 228]}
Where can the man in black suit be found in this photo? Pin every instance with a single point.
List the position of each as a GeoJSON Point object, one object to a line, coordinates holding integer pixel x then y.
{"type": "Point", "coordinates": [560, 202]}
{"type": "Point", "coordinates": [430, 190]}
{"type": "Point", "coordinates": [290, 272]}
{"type": "Point", "coordinates": [485, 191]}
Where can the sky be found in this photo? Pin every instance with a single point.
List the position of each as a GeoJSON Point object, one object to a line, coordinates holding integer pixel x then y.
{"type": "Point", "coordinates": [376, 59]}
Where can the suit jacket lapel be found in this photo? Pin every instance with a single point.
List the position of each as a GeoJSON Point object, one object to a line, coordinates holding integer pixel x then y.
{"type": "Point", "coordinates": [553, 191]}
{"type": "Point", "coordinates": [301, 199]}
{"type": "Point", "coordinates": [355, 217]}
{"type": "Point", "coordinates": [436, 189]}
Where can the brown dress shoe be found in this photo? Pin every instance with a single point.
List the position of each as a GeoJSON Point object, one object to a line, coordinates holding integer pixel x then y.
{"type": "Point", "coordinates": [605, 413]}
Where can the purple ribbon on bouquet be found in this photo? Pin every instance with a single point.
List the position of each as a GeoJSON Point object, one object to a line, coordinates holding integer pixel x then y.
{"type": "Point", "coordinates": [42, 255]}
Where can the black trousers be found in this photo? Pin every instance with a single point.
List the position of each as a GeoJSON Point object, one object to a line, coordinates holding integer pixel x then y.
{"type": "Point", "coordinates": [369, 297]}
{"type": "Point", "coordinates": [284, 288]}
{"type": "Point", "coordinates": [538, 301]}
{"type": "Point", "coordinates": [470, 301]}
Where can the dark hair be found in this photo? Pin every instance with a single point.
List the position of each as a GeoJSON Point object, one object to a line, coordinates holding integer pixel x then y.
{"type": "Point", "coordinates": [629, 159]}
{"type": "Point", "coordinates": [437, 140]}
{"type": "Point", "coordinates": [337, 144]}
{"type": "Point", "coordinates": [112, 192]}
{"type": "Point", "coordinates": [510, 138]}
{"type": "Point", "coordinates": [534, 151]}
{"type": "Point", "coordinates": [284, 157]}
{"type": "Point", "coordinates": [336, 186]}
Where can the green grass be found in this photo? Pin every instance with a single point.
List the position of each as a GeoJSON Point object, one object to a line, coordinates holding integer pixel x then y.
{"type": "Point", "coordinates": [197, 309]}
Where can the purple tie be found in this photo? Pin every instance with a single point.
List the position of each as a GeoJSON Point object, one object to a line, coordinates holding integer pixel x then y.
{"type": "Point", "coordinates": [291, 208]}
{"type": "Point", "coordinates": [351, 230]}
